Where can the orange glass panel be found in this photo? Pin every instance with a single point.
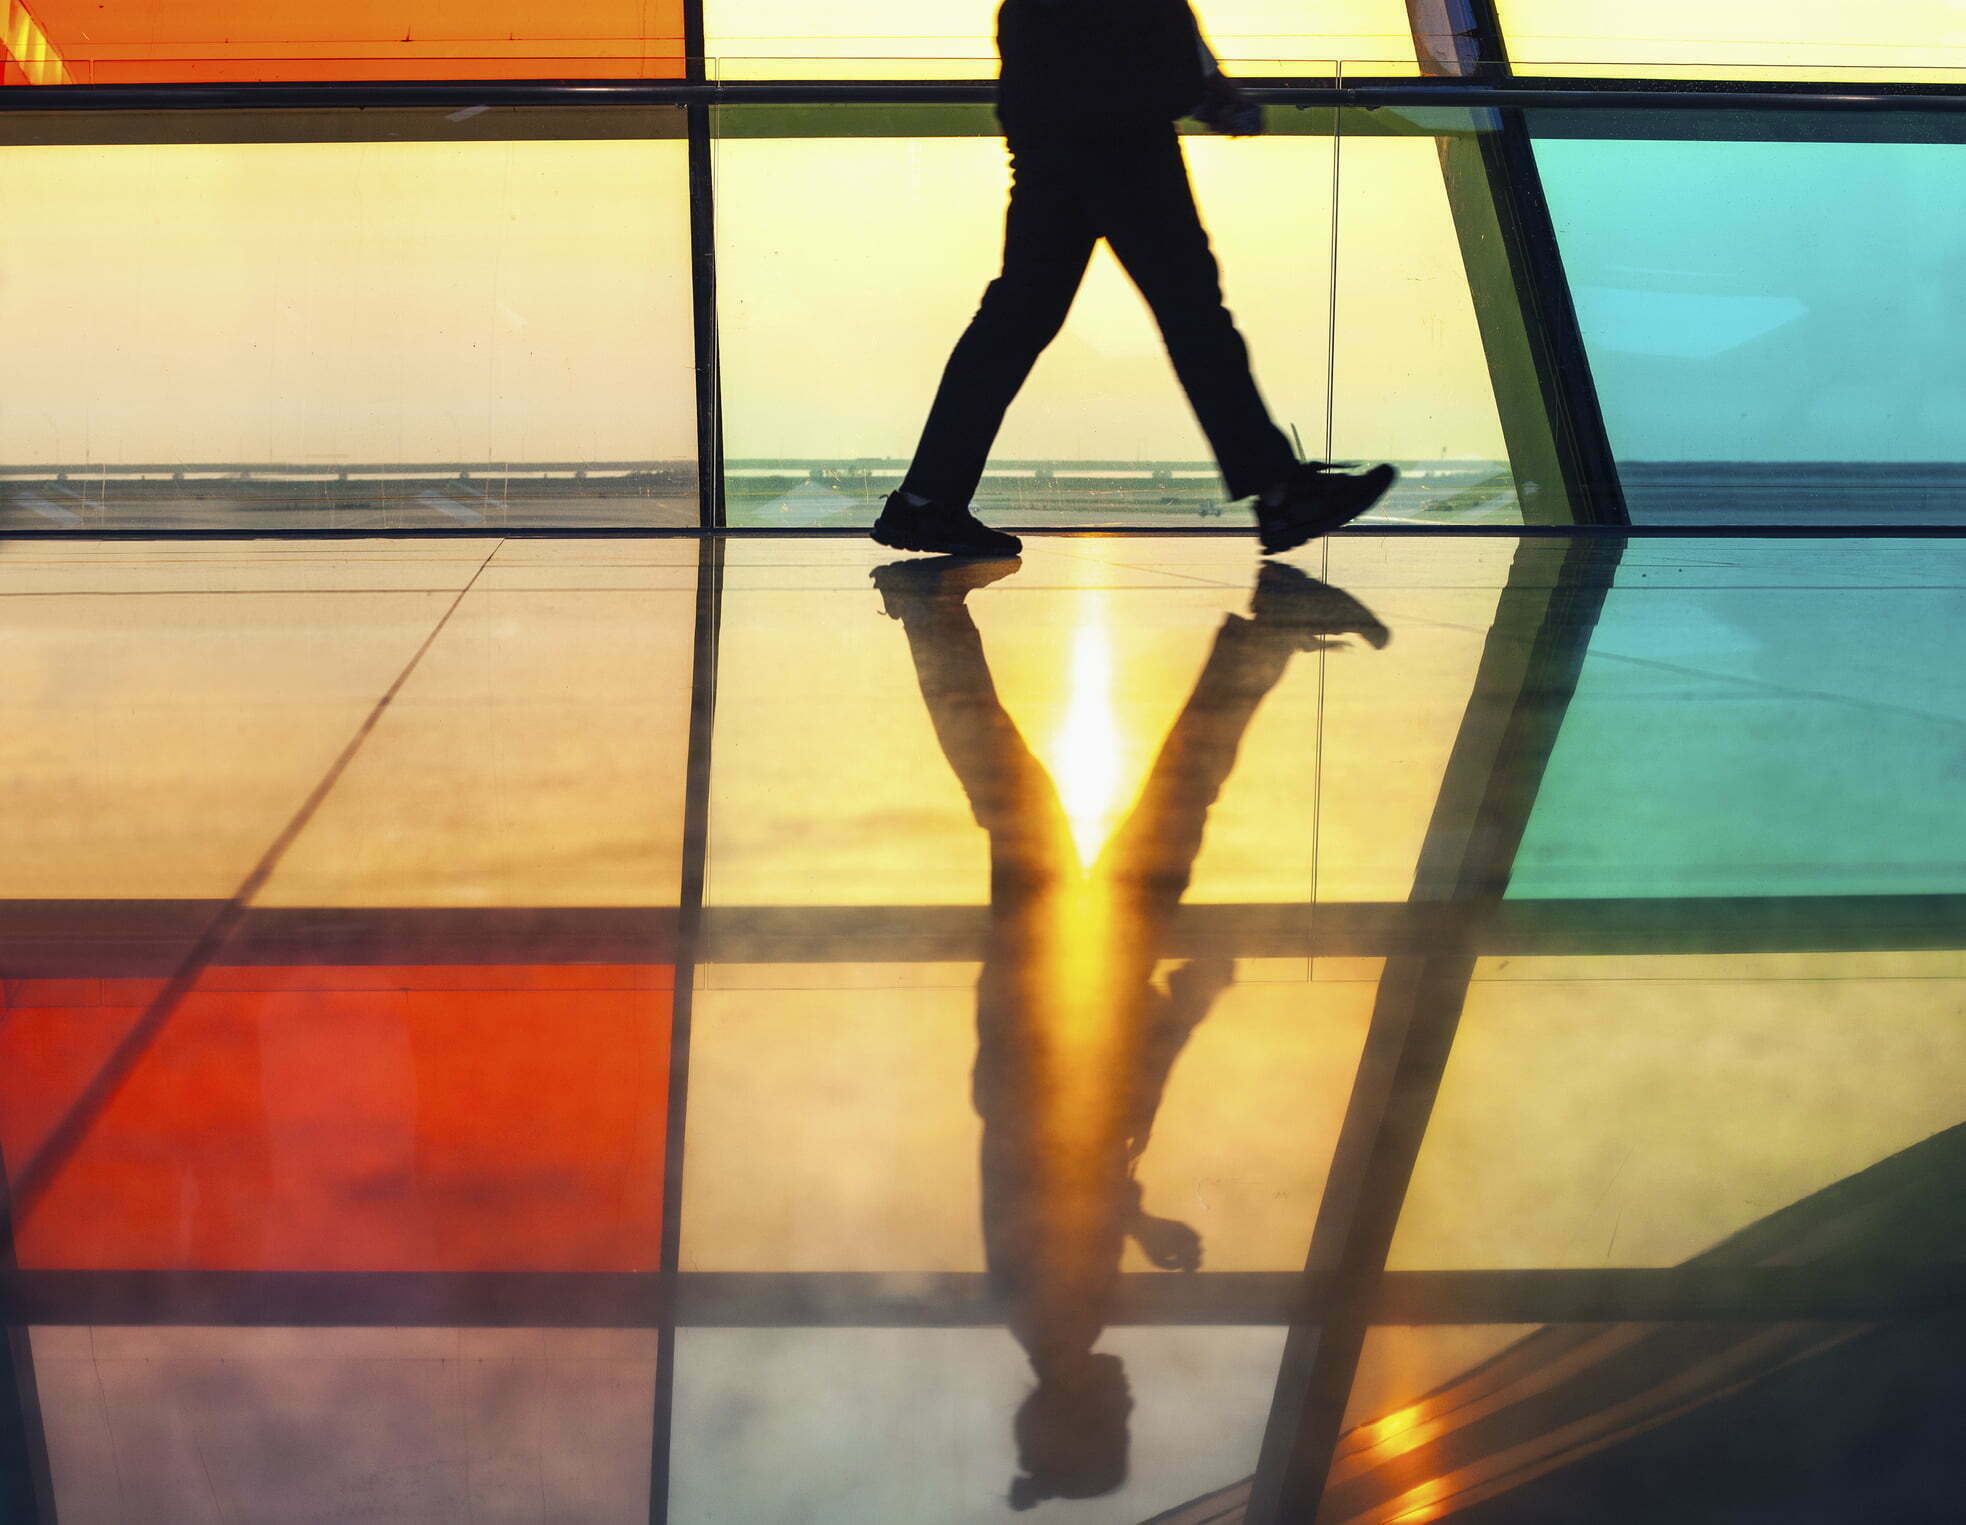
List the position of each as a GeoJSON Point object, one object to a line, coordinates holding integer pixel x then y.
{"type": "Point", "coordinates": [349, 1119]}
{"type": "Point", "coordinates": [165, 41]}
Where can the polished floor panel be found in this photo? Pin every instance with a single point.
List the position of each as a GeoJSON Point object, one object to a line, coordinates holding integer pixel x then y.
{"type": "Point", "coordinates": [756, 1030]}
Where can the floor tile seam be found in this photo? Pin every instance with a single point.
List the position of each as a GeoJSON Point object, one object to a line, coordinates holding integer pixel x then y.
{"type": "Point", "coordinates": [209, 593]}
{"type": "Point", "coordinates": [1772, 690]}
{"type": "Point", "coordinates": [324, 553]}
{"type": "Point", "coordinates": [190, 563]}
{"type": "Point", "coordinates": [251, 548]}
{"type": "Point", "coordinates": [1363, 979]}
{"type": "Point", "coordinates": [1729, 981]}
{"type": "Point", "coordinates": [1762, 688]}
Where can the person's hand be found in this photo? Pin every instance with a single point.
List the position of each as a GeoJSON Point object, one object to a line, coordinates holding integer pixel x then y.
{"type": "Point", "coordinates": [1167, 1243]}
{"type": "Point", "coordinates": [1226, 109]}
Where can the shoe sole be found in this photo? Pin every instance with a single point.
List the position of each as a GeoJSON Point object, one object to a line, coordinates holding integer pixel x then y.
{"type": "Point", "coordinates": [881, 535]}
{"type": "Point", "coordinates": [1287, 537]}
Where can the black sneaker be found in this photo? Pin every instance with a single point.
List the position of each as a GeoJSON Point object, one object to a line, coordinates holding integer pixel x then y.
{"type": "Point", "coordinates": [906, 587]}
{"type": "Point", "coordinates": [1312, 613]}
{"type": "Point", "coordinates": [939, 527]}
{"type": "Point", "coordinates": [1317, 498]}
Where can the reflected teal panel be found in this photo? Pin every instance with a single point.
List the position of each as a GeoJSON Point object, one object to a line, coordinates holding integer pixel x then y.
{"type": "Point", "coordinates": [1774, 327]}
{"type": "Point", "coordinates": [1764, 719]}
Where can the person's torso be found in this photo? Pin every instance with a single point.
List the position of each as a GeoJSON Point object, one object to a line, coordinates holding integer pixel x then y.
{"type": "Point", "coordinates": [1089, 66]}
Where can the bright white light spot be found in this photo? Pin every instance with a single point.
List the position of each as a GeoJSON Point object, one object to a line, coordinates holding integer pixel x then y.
{"type": "Point", "coordinates": [1087, 747]}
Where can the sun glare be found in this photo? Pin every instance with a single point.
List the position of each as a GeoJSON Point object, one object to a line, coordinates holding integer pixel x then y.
{"type": "Point", "coordinates": [1086, 748]}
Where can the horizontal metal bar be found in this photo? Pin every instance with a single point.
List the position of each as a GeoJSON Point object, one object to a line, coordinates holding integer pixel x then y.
{"type": "Point", "coordinates": [146, 939]}
{"type": "Point", "coordinates": [1604, 92]}
{"type": "Point", "coordinates": [1825, 1291]}
{"type": "Point", "coordinates": [16, 534]}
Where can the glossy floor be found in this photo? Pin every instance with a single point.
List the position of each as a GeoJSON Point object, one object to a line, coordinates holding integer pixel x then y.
{"type": "Point", "coordinates": [618, 1030]}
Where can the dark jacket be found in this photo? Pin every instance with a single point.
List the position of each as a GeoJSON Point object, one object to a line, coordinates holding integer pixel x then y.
{"type": "Point", "coordinates": [1078, 68]}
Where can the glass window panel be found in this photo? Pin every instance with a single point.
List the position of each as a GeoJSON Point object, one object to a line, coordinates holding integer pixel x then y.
{"type": "Point", "coordinates": [281, 1424]}
{"type": "Point", "coordinates": [1638, 1111]}
{"type": "Point", "coordinates": [956, 39]}
{"type": "Point", "coordinates": [1737, 39]}
{"type": "Point", "coordinates": [347, 335]}
{"type": "Point", "coordinates": [854, 295]}
{"type": "Point", "coordinates": [1411, 379]}
{"type": "Point", "coordinates": [1772, 326]}
{"type": "Point", "coordinates": [1726, 739]}
{"type": "Point", "coordinates": [1101, 434]}
{"type": "Point", "coordinates": [207, 41]}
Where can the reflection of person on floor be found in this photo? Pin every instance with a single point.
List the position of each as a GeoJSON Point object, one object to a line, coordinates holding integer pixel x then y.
{"type": "Point", "coordinates": [1088, 97]}
{"type": "Point", "coordinates": [1074, 1039]}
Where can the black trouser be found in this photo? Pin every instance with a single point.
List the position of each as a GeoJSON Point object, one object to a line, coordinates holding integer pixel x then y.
{"type": "Point", "coordinates": [1132, 190]}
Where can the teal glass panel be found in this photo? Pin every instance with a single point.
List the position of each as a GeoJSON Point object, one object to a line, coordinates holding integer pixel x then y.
{"type": "Point", "coordinates": [1729, 738]}
{"type": "Point", "coordinates": [1774, 327]}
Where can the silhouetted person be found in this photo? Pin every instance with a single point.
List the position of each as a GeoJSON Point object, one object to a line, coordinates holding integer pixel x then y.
{"type": "Point", "coordinates": [1088, 97]}
{"type": "Point", "coordinates": [1074, 1039]}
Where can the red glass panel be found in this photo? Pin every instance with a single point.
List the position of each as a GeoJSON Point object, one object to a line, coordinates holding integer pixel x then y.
{"type": "Point", "coordinates": [345, 1119]}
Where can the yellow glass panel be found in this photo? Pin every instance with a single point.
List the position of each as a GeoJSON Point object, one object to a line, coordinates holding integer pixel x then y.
{"type": "Point", "coordinates": [1636, 1111]}
{"type": "Point", "coordinates": [864, 810]}
{"type": "Point", "coordinates": [535, 758]}
{"type": "Point", "coordinates": [848, 268]}
{"type": "Point", "coordinates": [202, 723]}
{"type": "Point", "coordinates": [804, 1095]}
{"type": "Point", "coordinates": [831, 790]}
{"type": "Point", "coordinates": [897, 237]}
{"type": "Point", "coordinates": [955, 39]}
{"type": "Point", "coordinates": [346, 303]}
{"type": "Point", "coordinates": [1410, 379]}
{"type": "Point", "coordinates": [1739, 39]}
{"type": "Point", "coordinates": [1390, 718]}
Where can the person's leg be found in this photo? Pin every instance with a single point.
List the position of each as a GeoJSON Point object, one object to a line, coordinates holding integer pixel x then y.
{"type": "Point", "coordinates": [1010, 793]}
{"type": "Point", "coordinates": [1145, 208]}
{"type": "Point", "coordinates": [1152, 855]}
{"type": "Point", "coordinates": [1048, 241]}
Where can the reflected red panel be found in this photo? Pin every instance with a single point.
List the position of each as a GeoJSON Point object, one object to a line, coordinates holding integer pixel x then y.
{"type": "Point", "coordinates": [163, 41]}
{"type": "Point", "coordinates": [351, 1119]}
